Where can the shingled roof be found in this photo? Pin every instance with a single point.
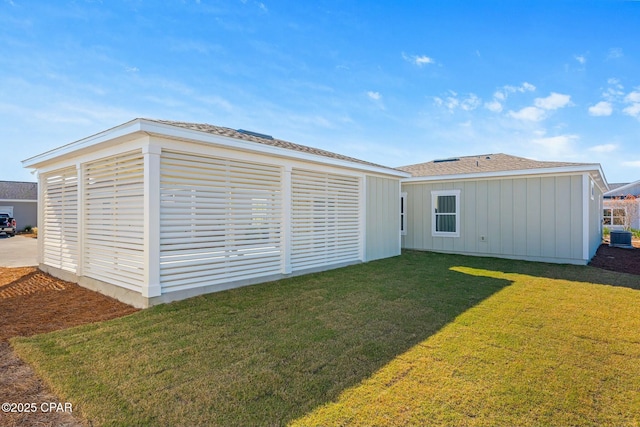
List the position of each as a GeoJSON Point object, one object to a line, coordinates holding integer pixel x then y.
{"type": "Point", "coordinates": [17, 190]}
{"type": "Point", "coordinates": [261, 139]}
{"type": "Point", "coordinates": [484, 163]}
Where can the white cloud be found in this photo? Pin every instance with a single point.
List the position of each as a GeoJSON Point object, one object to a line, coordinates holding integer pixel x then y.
{"type": "Point", "coordinates": [454, 101]}
{"type": "Point", "coordinates": [131, 69]}
{"type": "Point", "coordinates": [533, 114]}
{"type": "Point", "coordinates": [501, 95]}
{"type": "Point", "coordinates": [604, 148]}
{"type": "Point", "coordinates": [602, 108]}
{"type": "Point", "coordinates": [418, 60]}
{"type": "Point", "coordinates": [374, 95]}
{"type": "Point", "coordinates": [553, 101]}
{"type": "Point", "coordinates": [633, 97]}
{"type": "Point", "coordinates": [633, 110]}
{"type": "Point", "coordinates": [614, 91]}
{"type": "Point", "coordinates": [494, 106]}
{"type": "Point", "coordinates": [633, 163]}
{"type": "Point", "coordinates": [560, 146]}
{"type": "Point", "coordinates": [582, 59]}
{"type": "Point", "coordinates": [470, 103]}
{"type": "Point", "coordinates": [615, 53]}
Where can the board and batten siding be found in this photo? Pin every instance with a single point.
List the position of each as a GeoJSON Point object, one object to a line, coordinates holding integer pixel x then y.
{"type": "Point", "coordinates": [325, 219]}
{"type": "Point", "coordinates": [535, 218]}
{"type": "Point", "coordinates": [113, 220]}
{"type": "Point", "coordinates": [383, 218]}
{"type": "Point", "coordinates": [220, 221]}
{"type": "Point", "coordinates": [59, 192]}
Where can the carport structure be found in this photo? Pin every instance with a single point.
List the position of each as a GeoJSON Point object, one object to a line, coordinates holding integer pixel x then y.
{"type": "Point", "coordinates": [154, 211]}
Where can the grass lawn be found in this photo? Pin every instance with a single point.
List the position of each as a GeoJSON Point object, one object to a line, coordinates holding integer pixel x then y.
{"type": "Point", "coordinates": [420, 339]}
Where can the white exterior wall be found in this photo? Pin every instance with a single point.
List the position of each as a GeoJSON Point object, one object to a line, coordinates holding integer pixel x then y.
{"type": "Point", "coordinates": [534, 218]}
{"type": "Point", "coordinates": [58, 234]}
{"type": "Point", "coordinates": [157, 219]}
{"type": "Point", "coordinates": [113, 220]}
{"type": "Point", "coordinates": [219, 221]}
{"type": "Point", "coordinates": [383, 218]}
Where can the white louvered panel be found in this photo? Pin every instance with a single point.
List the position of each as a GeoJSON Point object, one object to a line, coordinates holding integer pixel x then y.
{"type": "Point", "coordinates": [326, 219]}
{"type": "Point", "coordinates": [219, 221]}
{"type": "Point", "coordinates": [114, 220]}
{"type": "Point", "coordinates": [60, 231]}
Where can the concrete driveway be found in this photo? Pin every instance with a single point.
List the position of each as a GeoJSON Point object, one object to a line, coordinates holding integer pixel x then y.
{"type": "Point", "coordinates": [18, 251]}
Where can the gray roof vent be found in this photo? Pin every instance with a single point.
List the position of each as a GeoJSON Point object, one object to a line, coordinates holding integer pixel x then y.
{"type": "Point", "coordinates": [454, 159]}
{"type": "Point", "coordinates": [256, 134]}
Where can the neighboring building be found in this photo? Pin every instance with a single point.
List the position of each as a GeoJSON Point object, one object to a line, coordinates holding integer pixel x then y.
{"type": "Point", "coordinates": [155, 211]}
{"type": "Point", "coordinates": [20, 200]}
{"type": "Point", "coordinates": [614, 215]}
{"type": "Point", "coordinates": [504, 206]}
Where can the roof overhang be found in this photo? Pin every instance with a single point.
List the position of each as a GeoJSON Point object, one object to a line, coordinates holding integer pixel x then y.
{"type": "Point", "coordinates": [595, 170]}
{"type": "Point", "coordinates": [138, 127]}
{"type": "Point", "coordinates": [622, 188]}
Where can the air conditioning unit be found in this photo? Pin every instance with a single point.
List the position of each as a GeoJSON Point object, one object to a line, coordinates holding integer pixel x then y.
{"type": "Point", "coordinates": [620, 239]}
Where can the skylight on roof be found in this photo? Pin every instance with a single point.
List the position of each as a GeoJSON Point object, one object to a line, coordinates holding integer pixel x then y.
{"type": "Point", "coordinates": [256, 134]}
{"type": "Point", "coordinates": [453, 159]}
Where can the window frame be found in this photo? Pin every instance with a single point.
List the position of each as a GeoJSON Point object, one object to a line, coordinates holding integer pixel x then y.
{"type": "Point", "coordinates": [403, 214]}
{"type": "Point", "coordinates": [434, 198]}
{"type": "Point", "coordinates": [611, 216]}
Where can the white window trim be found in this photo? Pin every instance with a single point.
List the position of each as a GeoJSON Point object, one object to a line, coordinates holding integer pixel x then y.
{"type": "Point", "coordinates": [403, 213]}
{"type": "Point", "coordinates": [434, 197]}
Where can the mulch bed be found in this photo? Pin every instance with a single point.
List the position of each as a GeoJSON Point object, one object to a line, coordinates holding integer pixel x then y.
{"type": "Point", "coordinates": [618, 259]}
{"type": "Point", "coordinates": [32, 302]}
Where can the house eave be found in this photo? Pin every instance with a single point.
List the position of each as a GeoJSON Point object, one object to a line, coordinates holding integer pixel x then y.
{"type": "Point", "coordinates": [595, 170]}
{"type": "Point", "coordinates": [137, 127]}
{"type": "Point", "coordinates": [624, 187]}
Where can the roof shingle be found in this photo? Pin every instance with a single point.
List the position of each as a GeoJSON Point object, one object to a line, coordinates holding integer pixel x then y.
{"type": "Point", "coordinates": [484, 163]}
{"type": "Point", "coordinates": [17, 190]}
{"type": "Point", "coordinates": [266, 140]}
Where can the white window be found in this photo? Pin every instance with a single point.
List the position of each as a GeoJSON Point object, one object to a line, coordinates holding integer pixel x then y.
{"type": "Point", "coordinates": [445, 214]}
{"type": "Point", "coordinates": [614, 216]}
{"type": "Point", "coordinates": [403, 214]}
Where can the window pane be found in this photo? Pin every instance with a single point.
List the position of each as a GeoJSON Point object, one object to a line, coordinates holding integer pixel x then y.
{"type": "Point", "coordinates": [618, 221]}
{"type": "Point", "coordinates": [607, 221]}
{"type": "Point", "coordinates": [446, 223]}
{"type": "Point", "coordinates": [607, 212]}
{"type": "Point", "coordinates": [619, 212]}
{"type": "Point", "coordinates": [446, 204]}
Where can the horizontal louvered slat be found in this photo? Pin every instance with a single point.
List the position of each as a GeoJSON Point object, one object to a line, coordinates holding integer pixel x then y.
{"type": "Point", "coordinates": [60, 215]}
{"type": "Point", "coordinates": [219, 221]}
{"type": "Point", "coordinates": [326, 219]}
{"type": "Point", "coordinates": [114, 220]}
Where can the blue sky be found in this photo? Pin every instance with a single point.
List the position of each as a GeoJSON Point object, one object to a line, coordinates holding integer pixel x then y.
{"type": "Point", "coordinates": [392, 82]}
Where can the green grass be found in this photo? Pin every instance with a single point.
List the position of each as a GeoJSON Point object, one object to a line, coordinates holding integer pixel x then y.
{"type": "Point", "coordinates": [421, 339]}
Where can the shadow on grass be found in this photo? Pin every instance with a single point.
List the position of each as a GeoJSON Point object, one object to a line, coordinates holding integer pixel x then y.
{"type": "Point", "coordinates": [574, 273]}
{"type": "Point", "coordinates": [260, 355]}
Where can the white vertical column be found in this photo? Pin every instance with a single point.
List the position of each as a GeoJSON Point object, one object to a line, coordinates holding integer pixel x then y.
{"type": "Point", "coordinates": [151, 286]}
{"type": "Point", "coordinates": [287, 218]}
{"type": "Point", "coordinates": [80, 220]}
{"type": "Point", "coordinates": [363, 218]}
{"type": "Point", "coordinates": [40, 213]}
{"type": "Point", "coordinates": [586, 196]}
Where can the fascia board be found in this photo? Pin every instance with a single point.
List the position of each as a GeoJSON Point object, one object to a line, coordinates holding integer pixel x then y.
{"type": "Point", "coordinates": [506, 174]}
{"type": "Point", "coordinates": [120, 131]}
{"type": "Point", "coordinates": [624, 187]}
